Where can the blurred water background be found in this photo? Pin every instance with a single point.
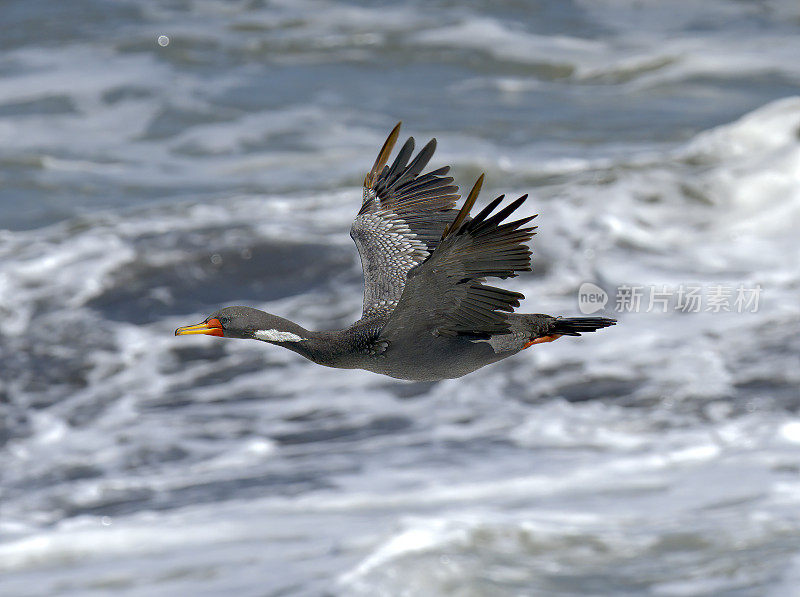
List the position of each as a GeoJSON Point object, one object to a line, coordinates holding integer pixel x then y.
{"type": "Point", "coordinates": [142, 186]}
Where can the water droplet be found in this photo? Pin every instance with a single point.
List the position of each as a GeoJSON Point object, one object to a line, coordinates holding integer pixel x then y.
{"type": "Point", "coordinates": [163, 40]}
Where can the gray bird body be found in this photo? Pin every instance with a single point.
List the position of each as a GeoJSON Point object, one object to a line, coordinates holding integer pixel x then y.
{"type": "Point", "coordinates": [405, 355]}
{"type": "Point", "coordinates": [428, 314]}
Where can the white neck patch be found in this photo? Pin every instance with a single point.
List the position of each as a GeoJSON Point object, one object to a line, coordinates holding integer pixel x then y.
{"type": "Point", "coordinates": [276, 336]}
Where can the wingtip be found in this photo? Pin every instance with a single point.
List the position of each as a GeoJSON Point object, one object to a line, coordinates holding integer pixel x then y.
{"type": "Point", "coordinates": [476, 188]}
{"type": "Point", "coordinates": [383, 155]}
{"type": "Point", "coordinates": [473, 195]}
{"type": "Point", "coordinates": [465, 209]}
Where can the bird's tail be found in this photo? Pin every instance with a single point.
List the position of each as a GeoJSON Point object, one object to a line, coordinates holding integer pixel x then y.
{"type": "Point", "coordinates": [575, 326]}
{"type": "Point", "coordinates": [545, 328]}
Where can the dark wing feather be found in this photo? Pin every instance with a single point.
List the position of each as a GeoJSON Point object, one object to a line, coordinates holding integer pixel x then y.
{"type": "Point", "coordinates": [445, 294]}
{"type": "Point", "coordinates": [401, 220]}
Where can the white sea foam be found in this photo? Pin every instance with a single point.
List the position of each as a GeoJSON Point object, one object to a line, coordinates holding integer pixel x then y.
{"type": "Point", "coordinates": [660, 454]}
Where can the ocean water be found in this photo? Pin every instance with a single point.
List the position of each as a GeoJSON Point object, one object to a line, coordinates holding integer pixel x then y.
{"type": "Point", "coordinates": [142, 186]}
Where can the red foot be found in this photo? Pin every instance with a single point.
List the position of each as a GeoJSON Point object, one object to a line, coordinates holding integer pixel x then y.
{"type": "Point", "coordinates": [541, 340]}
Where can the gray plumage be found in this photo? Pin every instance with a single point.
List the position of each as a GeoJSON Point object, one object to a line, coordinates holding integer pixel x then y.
{"type": "Point", "coordinates": [400, 222]}
{"type": "Point", "coordinates": [428, 313]}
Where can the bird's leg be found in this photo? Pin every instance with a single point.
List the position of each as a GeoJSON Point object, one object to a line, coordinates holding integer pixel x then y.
{"type": "Point", "coordinates": [541, 340]}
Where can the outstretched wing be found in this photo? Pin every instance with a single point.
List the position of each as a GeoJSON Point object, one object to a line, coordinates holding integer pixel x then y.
{"type": "Point", "coordinates": [401, 220]}
{"type": "Point", "coordinates": [445, 295]}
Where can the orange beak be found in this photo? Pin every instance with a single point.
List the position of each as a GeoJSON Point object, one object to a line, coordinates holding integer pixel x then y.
{"type": "Point", "coordinates": [212, 327]}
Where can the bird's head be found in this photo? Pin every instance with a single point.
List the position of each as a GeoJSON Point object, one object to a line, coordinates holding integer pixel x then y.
{"type": "Point", "coordinates": [247, 323]}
